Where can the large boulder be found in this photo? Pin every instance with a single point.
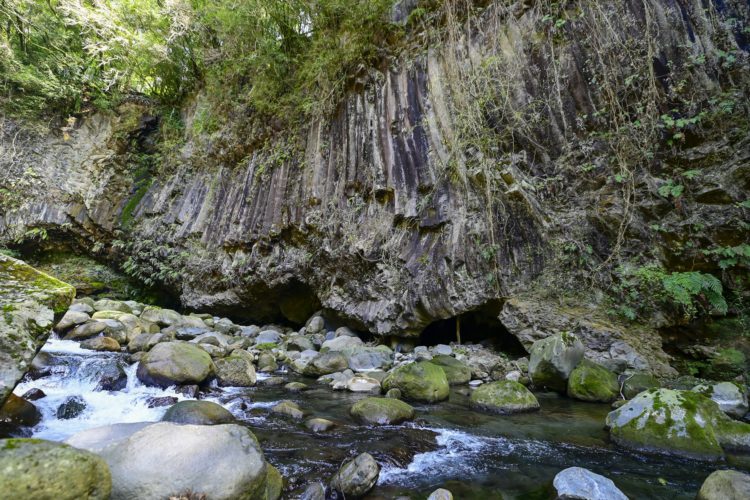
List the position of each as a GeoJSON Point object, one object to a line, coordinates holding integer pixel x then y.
{"type": "Point", "coordinates": [579, 483]}
{"type": "Point", "coordinates": [366, 359]}
{"type": "Point", "coordinates": [381, 411]}
{"type": "Point", "coordinates": [504, 396]}
{"type": "Point", "coordinates": [363, 383]}
{"type": "Point", "coordinates": [70, 320]}
{"type": "Point", "coordinates": [731, 398]}
{"type": "Point", "coordinates": [725, 485]}
{"type": "Point", "coordinates": [198, 413]}
{"type": "Point", "coordinates": [592, 382]}
{"type": "Point", "coordinates": [553, 359]}
{"type": "Point", "coordinates": [236, 371]}
{"type": "Point", "coordinates": [342, 343]}
{"type": "Point", "coordinates": [86, 330]}
{"type": "Point", "coordinates": [17, 411]}
{"type": "Point", "coordinates": [171, 363]}
{"type": "Point", "coordinates": [37, 469]}
{"type": "Point", "coordinates": [162, 317]}
{"type": "Point", "coordinates": [325, 363]}
{"type": "Point", "coordinates": [163, 460]}
{"type": "Point", "coordinates": [356, 477]}
{"type": "Point", "coordinates": [672, 422]}
{"type": "Point", "coordinates": [30, 301]}
{"type": "Point", "coordinates": [457, 371]}
{"type": "Point", "coordinates": [112, 305]}
{"type": "Point", "coordinates": [101, 344]}
{"type": "Point", "coordinates": [421, 381]}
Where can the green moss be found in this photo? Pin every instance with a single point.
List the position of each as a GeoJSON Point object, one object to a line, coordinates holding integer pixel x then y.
{"type": "Point", "coordinates": [266, 346]}
{"type": "Point", "coordinates": [505, 396]}
{"type": "Point", "coordinates": [592, 382]}
{"type": "Point", "coordinates": [422, 381]}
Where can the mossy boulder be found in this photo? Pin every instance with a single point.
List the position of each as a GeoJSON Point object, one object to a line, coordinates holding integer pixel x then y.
{"type": "Point", "coordinates": [171, 363]}
{"type": "Point", "coordinates": [421, 381]}
{"type": "Point", "coordinates": [34, 468]}
{"type": "Point", "coordinates": [682, 423]}
{"type": "Point", "coordinates": [726, 364]}
{"type": "Point", "coordinates": [236, 371]}
{"type": "Point", "coordinates": [457, 371]}
{"type": "Point", "coordinates": [326, 363]}
{"type": "Point", "coordinates": [504, 396]}
{"type": "Point", "coordinates": [381, 411]}
{"type": "Point", "coordinates": [592, 382]}
{"type": "Point", "coordinates": [30, 300]}
{"type": "Point", "coordinates": [637, 383]}
{"type": "Point", "coordinates": [198, 413]}
{"type": "Point", "coordinates": [274, 483]}
{"type": "Point", "coordinates": [553, 359]}
{"type": "Point", "coordinates": [731, 397]}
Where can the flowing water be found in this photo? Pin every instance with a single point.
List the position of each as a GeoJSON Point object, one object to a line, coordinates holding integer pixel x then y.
{"type": "Point", "coordinates": [475, 455]}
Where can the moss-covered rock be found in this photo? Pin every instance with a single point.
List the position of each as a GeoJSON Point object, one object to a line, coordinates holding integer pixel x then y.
{"type": "Point", "coordinates": [171, 363]}
{"type": "Point", "coordinates": [553, 359]}
{"type": "Point", "coordinates": [731, 397]}
{"type": "Point", "coordinates": [726, 364]}
{"type": "Point", "coordinates": [29, 300]}
{"type": "Point", "coordinates": [504, 396]}
{"type": "Point", "coordinates": [457, 371]}
{"type": "Point", "coordinates": [198, 413]}
{"type": "Point", "coordinates": [274, 483]}
{"type": "Point", "coordinates": [381, 411]}
{"type": "Point", "coordinates": [637, 383]}
{"type": "Point", "coordinates": [674, 422]}
{"type": "Point", "coordinates": [592, 382]}
{"type": "Point", "coordinates": [422, 381]}
{"type": "Point", "coordinates": [236, 371]}
{"type": "Point", "coordinates": [34, 468]}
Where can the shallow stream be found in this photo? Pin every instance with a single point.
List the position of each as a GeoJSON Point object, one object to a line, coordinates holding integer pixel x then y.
{"type": "Point", "coordinates": [475, 455]}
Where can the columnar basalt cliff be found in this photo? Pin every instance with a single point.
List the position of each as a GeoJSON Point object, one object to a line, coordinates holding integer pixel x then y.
{"type": "Point", "coordinates": [396, 212]}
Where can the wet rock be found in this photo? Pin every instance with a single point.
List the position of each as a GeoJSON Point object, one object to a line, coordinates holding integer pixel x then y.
{"type": "Point", "coordinates": [456, 371]}
{"type": "Point", "coordinates": [274, 483]}
{"type": "Point", "coordinates": [162, 459]}
{"type": "Point", "coordinates": [725, 485]}
{"type": "Point", "coordinates": [393, 394]}
{"type": "Point", "coordinates": [72, 407]}
{"type": "Point", "coordinates": [79, 306]}
{"type": "Point", "coordinates": [159, 402]}
{"type": "Point", "coordinates": [236, 370]}
{"type": "Point", "coordinates": [440, 494]}
{"type": "Point", "coordinates": [101, 344]}
{"type": "Point", "coordinates": [580, 483]}
{"type": "Point", "coordinates": [682, 423]}
{"type": "Point", "coordinates": [71, 319]}
{"type": "Point", "coordinates": [325, 363]}
{"type": "Point", "coordinates": [592, 382]}
{"type": "Point", "coordinates": [86, 330]}
{"type": "Point", "coordinates": [289, 409]}
{"type": "Point", "coordinates": [296, 387]}
{"type": "Point", "coordinates": [17, 411]}
{"type": "Point", "coordinates": [111, 377]}
{"type": "Point", "coordinates": [637, 383]}
{"type": "Point", "coordinates": [362, 383]}
{"type": "Point", "coordinates": [318, 425]}
{"type": "Point", "coordinates": [267, 362]}
{"type": "Point", "coordinates": [504, 396]}
{"type": "Point", "coordinates": [38, 469]}
{"type": "Point", "coordinates": [356, 477]}
{"type": "Point", "coordinates": [189, 390]}
{"type": "Point", "coordinates": [34, 394]}
{"type": "Point", "coordinates": [381, 411]}
{"type": "Point", "coordinates": [729, 396]}
{"type": "Point", "coordinates": [271, 381]}
{"type": "Point", "coordinates": [314, 491]}
{"type": "Point", "coordinates": [40, 366]}
{"type": "Point", "coordinates": [421, 381]}
{"type": "Point", "coordinates": [173, 363]}
{"type": "Point", "coordinates": [198, 413]}
{"type": "Point", "coordinates": [553, 359]}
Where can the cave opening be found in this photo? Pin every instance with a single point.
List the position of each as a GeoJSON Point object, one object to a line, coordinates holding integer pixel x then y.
{"type": "Point", "coordinates": [480, 326]}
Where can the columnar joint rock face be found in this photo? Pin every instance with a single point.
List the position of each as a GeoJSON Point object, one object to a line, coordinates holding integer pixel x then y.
{"type": "Point", "coordinates": [29, 300]}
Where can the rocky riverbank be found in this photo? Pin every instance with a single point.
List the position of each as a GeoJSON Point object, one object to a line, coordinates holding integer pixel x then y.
{"type": "Point", "coordinates": [202, 375]}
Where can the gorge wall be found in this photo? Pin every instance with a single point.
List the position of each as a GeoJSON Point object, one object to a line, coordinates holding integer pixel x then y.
{"type": "Point", "coordinates": [500, 169]}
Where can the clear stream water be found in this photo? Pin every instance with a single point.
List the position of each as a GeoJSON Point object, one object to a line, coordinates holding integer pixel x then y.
{"type": "Point", "coordinates": [473, 454]}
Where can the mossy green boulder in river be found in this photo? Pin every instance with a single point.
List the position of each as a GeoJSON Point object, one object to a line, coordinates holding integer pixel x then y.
{"type": "Point", "coordinates": [421, 381]}
{"type": "Point", "coordinates": [505, 396]}
{"type": "Point", "coordinates": [592, 382]}
{"type": "Point", "coordinates": [682, 423]}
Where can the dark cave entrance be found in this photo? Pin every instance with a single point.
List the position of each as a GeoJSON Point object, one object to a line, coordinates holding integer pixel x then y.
{"type": "Point", "coordinates": [479, 326]}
